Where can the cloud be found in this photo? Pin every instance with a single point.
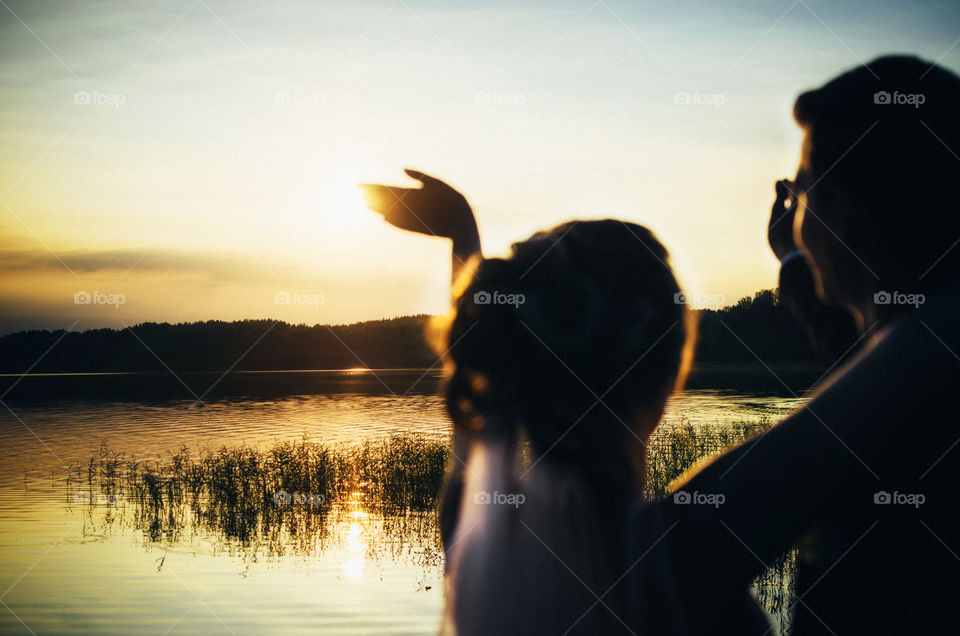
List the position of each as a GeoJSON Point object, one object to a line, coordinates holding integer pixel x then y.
{"type": "Point", "coordinates": [37, 290]}
{"type": "Point", "coordinates": [222, 266]}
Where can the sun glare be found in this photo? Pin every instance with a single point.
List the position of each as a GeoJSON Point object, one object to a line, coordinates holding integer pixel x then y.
{"type": "Point", "coordinates": [347, 208]}
{"type": "Point", "coordinates": [356, 548]}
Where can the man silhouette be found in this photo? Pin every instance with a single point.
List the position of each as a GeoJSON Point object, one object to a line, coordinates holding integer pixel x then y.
{"type": "Point", "coordinates": [864, 479]}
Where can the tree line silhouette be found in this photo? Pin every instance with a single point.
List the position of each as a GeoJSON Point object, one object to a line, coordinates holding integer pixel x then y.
{"type": "Point", "coordinates": [757, 327]}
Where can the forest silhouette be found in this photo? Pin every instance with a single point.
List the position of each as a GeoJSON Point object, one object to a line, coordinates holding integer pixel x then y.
{"type": "Point", "coordinates": [755, 327]}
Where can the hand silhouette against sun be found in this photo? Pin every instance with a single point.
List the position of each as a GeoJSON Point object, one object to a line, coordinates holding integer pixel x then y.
{"type": "Point", "coordinates": [435, 209]}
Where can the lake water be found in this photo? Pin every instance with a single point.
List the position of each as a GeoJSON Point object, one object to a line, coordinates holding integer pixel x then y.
{"type": "Point", "coordinates": [67, 567]}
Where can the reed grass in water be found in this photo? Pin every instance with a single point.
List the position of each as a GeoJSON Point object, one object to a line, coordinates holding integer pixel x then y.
{"type": "Point", "coordinates": [290, 497]}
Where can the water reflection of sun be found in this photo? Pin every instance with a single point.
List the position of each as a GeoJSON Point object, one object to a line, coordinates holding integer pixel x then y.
{"type": "Point", "coordinates": [356, 545]}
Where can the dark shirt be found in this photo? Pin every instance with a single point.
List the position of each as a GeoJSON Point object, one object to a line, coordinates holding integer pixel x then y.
{"type": "Point", "coordinates": [882, 428]}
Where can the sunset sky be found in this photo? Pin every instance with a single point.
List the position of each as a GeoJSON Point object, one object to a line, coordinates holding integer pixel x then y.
{"type": "Point", "coordinates": [197, 158]}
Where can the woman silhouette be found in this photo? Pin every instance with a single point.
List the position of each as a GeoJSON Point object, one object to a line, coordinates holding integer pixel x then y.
{"type": "Point", "coordinates": [559, 361]}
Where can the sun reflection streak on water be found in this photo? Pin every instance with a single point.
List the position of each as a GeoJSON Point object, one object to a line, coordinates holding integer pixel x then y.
{"type": "Point", "coordinates": [356, 540]}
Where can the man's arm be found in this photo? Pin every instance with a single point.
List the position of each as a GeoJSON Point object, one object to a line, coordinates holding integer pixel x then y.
{"type": "Point", "coordinates": [819, 466]}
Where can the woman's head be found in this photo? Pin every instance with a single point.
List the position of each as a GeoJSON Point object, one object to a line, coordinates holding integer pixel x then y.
{"type": "Point", "coordinates": [579, 337]}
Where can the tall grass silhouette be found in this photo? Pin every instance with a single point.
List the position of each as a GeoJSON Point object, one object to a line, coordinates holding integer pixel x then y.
{"type": "Point", "coordinates": [293, 498]}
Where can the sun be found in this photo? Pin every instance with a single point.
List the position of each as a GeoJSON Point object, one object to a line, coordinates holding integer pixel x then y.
{"type": "Point", "coordinates": [341, 211]}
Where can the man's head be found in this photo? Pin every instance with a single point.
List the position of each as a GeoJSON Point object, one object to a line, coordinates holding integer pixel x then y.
{"type": "Point", "coordinates": [881, 157]}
